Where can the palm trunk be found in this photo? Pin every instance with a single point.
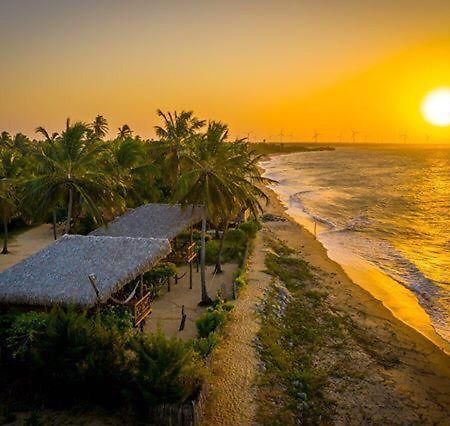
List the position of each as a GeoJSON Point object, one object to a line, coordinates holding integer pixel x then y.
{"type": "Point", "coordinates": [69, 210]}
{"type": "Point", "coordinates": [206, 300]}
{"type": "Point", "coordinates": [218, 268]}
{"type": "Point", "coordinates": [5, 236]}
{"type": "Point", "coordinates": [54, 224]}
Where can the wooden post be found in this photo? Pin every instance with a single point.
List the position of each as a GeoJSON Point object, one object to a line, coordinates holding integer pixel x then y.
{"type": "Point", "coordinates": [168, 284]}
{"type": "Point", "coordinates": [315, 228]}
{"type": "Point", "coordinates": [141, 285]}
{"type": "Point", "coordinates": [183, 319]}
{"type": "Point", "coordinates": [205, 300]}
{"type": "Point", "coordinates": [190, 261]}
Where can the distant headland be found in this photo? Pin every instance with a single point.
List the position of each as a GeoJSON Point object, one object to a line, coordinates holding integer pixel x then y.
{"type": "Point", "coordinates": [267, 148]}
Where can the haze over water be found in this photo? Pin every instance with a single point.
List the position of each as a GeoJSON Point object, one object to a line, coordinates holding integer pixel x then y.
{"type": "Point", "coordinates": [383, 206]}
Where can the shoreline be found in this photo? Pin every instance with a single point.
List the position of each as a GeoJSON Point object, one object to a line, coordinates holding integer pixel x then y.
{"type": "Point", "coordinates": [401, 302]}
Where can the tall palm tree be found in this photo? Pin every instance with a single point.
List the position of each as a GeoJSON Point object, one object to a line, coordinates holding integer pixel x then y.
{"type": "Point", "coordinates": [221, 177]}
{"type": "Point", "coordinates": [125, 132]}
{"type": "Point", "coordinates": [100, 126]}
{"type": "Point", "coordinates": [71, 168]}
{"type": "Point", "coordinates": [177, 132]}
{"type": "Point", "coordinates": [9, 171]}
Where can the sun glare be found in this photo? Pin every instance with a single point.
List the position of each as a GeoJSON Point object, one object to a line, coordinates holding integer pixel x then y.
{"type": "Point", "coordinates": [436, 107]}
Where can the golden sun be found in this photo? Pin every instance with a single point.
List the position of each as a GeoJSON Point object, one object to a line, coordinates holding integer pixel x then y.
{"type": "Point", "coordinates": [436, 107]}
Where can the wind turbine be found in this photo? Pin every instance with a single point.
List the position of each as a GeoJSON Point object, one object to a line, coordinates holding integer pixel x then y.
{"type": "Point", "coordinates": [354, 133]}
{"type": "Point", "coordinates": [315, 136]}
{"type": "Point", "coordinates": [404, 137]}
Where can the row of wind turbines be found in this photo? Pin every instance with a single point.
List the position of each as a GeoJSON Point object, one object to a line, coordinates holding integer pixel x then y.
{"type": "Point", "coordinates": [355, 137]}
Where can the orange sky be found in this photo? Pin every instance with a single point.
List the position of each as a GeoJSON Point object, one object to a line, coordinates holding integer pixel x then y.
{"type": "Point", "coordinates": [261, 66]}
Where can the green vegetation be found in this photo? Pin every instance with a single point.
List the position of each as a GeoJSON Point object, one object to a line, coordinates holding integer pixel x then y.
{"type": "Point", "coordinates": [297, 325]}
{"type": "Point", "coordinates": [208, 326]}
{"type": "Point", "coordinates": [66, 357]}
{"type": "Point", "coordinates": [213, 318]}
{"type": "Point", "coordinates": [232, 244]}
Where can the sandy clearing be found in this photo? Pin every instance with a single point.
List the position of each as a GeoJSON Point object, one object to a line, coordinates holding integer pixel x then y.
{"type": "Point", "coordinates": [166, 310]}
{"type": "Point", "coordinates": [25, 244]}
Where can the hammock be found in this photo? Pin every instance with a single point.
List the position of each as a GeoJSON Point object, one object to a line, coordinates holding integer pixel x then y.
{"type": "Point", "coordinates": [124, 302]}
{"type": "Point", "coordinates": [179, 277]}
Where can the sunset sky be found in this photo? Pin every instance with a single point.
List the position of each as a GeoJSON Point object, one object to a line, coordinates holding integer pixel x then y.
{"type": "Point", "coordinates": [261, 66]}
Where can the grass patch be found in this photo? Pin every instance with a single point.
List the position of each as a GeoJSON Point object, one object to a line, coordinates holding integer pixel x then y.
{"type": "Point", "coordinates": [293, 332]}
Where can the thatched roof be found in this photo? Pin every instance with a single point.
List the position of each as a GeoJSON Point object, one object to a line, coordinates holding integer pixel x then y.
{"type": "Point", "coordinates": [60, 272]}
{"type": "Point", "coordinates": [153, 221]}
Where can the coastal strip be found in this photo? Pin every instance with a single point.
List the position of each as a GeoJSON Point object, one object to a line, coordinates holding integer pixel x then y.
{"type": "Point", "coordinates": [380, 366]}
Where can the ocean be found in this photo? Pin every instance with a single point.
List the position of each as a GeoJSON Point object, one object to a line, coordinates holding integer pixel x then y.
{"type": "Point", "coordinates": [383, 207]}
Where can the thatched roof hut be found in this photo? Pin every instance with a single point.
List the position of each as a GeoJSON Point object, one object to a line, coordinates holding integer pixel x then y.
{"type": "Point", "coordinates": [153, 221]}
{"type": "Point", "coordinates": [60, 272]}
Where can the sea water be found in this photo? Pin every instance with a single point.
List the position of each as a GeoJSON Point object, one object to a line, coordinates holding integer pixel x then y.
{"type": "Point", "coordinates": [380, 205]}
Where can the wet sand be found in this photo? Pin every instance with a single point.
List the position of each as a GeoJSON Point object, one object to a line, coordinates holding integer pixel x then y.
{"type": "Point", "coordinates": [402, 302]}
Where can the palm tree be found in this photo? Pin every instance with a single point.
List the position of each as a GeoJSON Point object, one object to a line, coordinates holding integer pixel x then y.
{"type": "Point", "coordinates": [9, 170]}
{"type": "Point", "coordinates": [132, 170]}
{"type": "Point", "coordinates": [100, 126]}
{"type": "Point", "coordinates": [73, 169]}
{"type": "Point", "coordinates": [176, 133]}
{"type": "Point", "coordinates": [221, 177]}
{"type": "Point", "coordinates": [125, 132]}
{"type": "Point", "coordinates": [5, 139]}
{"type": "Point", "coordinates": [49, 138]}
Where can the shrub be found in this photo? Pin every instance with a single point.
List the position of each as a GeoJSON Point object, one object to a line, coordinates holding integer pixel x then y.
{"type": "Point", "coordinates": [236, 238]}
{"type": "Point", "coordinates": [240, 281]}
{"type": "Point", "coordinates": [66, 356]}
{"type": "Point", "coordinates": [211, 251]}
{"type": "Point", "coordinates": [251, 227]}
{"type": "Point", "coordinates": [116, 316]}
{"type": "Point", "coordinates": [23, 331]}
{"type": "Point", "coordinates": [162, 370]}
{"type": "Point", "coordinates": [160, 272]}
{"type": "Point", "coordinates": [60, 353]}
{"type": "Point", "coordinates": [205, 345]}
{"type": "Point", "coordinates": [213, 318]}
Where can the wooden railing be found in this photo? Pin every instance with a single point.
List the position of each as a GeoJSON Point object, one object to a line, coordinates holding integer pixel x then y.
{"type": "Point", "coordinates": [190, 253]}
{"type": "Point", "coordinates": [142, 308]}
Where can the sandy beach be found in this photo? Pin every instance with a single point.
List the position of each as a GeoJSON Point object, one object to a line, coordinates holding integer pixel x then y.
{"type": "Point", "coordinates": [414, 389]}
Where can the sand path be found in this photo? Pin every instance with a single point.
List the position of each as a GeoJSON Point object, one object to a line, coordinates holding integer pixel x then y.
{"type": "Point", "coordinates": [26, 244]}
{"type": "Point", "coordinates": [234, 364]}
